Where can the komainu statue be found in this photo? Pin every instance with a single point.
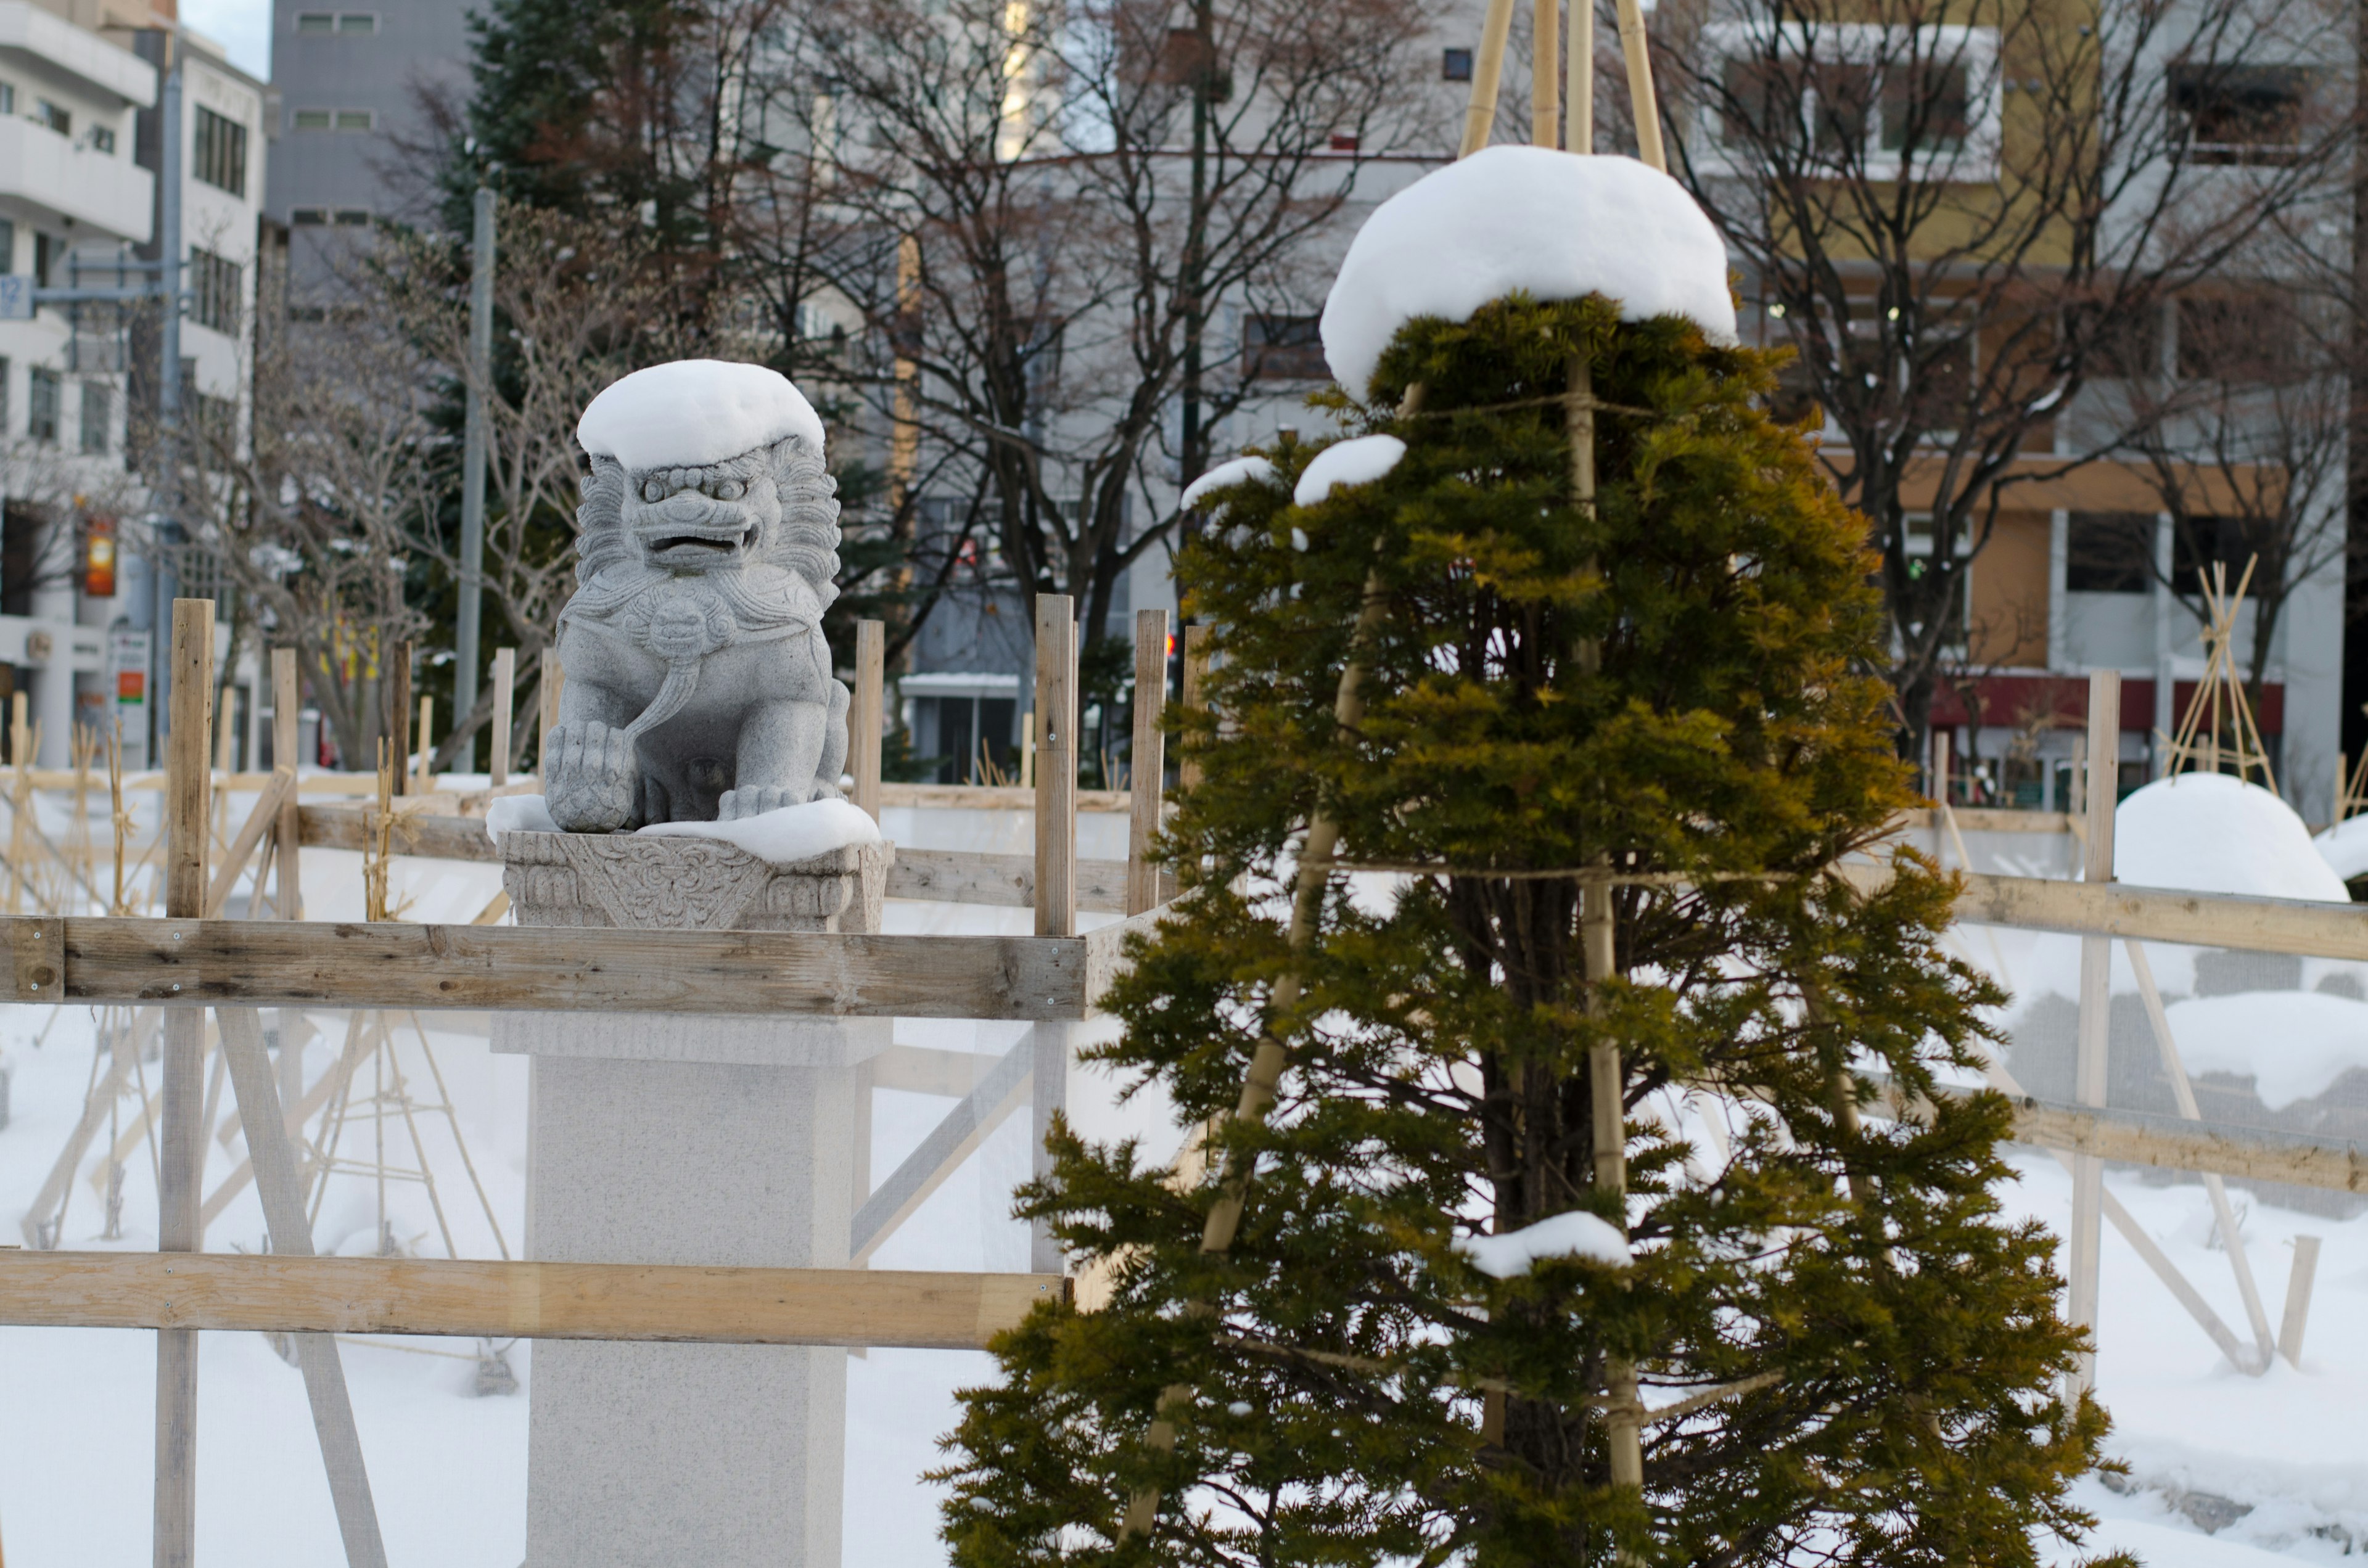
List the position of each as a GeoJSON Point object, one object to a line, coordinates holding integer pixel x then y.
{"type": "Point", "coordinates": [698, 686]}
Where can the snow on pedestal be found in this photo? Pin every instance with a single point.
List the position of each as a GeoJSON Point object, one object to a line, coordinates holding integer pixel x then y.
{"type": "Point", "coordinates": [1553, 225]}
{"type": "Point", "coordinates": [657, 1138]}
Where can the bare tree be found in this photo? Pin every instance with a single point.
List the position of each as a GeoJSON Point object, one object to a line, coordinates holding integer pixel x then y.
{"type": "Point", "coordinates": [1956, 217]}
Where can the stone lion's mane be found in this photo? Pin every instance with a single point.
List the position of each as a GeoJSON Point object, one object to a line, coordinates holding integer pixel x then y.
{"type": "Point", "coordinates": [805, 543]}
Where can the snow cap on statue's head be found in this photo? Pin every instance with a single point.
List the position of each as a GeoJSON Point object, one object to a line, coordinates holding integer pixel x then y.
{"type": "Point", "coordinates": [1529, 220]}
{"type": "Point", "coordinates": [692, 413]}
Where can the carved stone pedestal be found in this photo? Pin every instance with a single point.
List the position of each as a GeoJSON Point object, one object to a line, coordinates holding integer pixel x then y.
{"type": "Point", "coordinates": [665, 1139]}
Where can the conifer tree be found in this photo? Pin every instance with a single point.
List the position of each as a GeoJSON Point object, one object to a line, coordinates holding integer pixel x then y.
{"type": "Point", "coordinates": [1655, 705]}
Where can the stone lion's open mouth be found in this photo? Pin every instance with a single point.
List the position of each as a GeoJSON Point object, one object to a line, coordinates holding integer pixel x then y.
{"type": "Point", "coordinates": [693, 547]}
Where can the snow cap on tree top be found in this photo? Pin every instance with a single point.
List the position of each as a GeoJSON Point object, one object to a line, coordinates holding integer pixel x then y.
{"type": "Point", "coordinates": [1556, 225]}
{"type": "Point", "coordinates": [695, 412]}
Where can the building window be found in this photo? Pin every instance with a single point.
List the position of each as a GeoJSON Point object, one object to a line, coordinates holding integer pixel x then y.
{"type": "Point", "coordinates": [102, 137]}
{"type": "Point", "coordinates": [2240, 114]}
{"type": "Point", "coordinates": [46, 251]}
{"type": "Point", "coordinates": [2197, 544]}
{"type": "Point", "coordinates": [98, 413]}
{"type": "Point", "coordinates": [358, 21]}
{"type": "Point", "coordinates": [7, 244]}
{"type": "Point", "coordinates": [356, 118]}
{"type": "Point", "coordinates": [314, 119]}
{"type": "Point", "coordinates": [213, 284]}
{"type": "Point", "coordinates": [2238, 338]}
{"type": "Point", "coordinates": [1284, 348]}
{"type": "Point", "coordinates": [7, 98]}
{"type": "Point", "coordinates": [316, 22]}
{"type": "Point", "coordinates": [4, 396]}
{"type": "Point", "coordinates": [308, 217]}
{"type": "Point", "coordinates": [221, 151]}
{"type": "Point", "coordinates": [334, 120]}
{"type": "Point", "coordinates": [56, 118]}
{"type": "Point", "coordinates": [2109, 552]}
{"type": "Point", "coordinates": [353, 217]}
{"type": "Point", "coordinates": [1455, 65]}
{"type": "Point", "coordinates": [320, 23]}
{"type": "Point", "coordinates": [41, 405]}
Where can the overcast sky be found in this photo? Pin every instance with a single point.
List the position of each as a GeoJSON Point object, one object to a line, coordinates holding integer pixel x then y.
{"type": "Point", "coordinates": [242, 26]}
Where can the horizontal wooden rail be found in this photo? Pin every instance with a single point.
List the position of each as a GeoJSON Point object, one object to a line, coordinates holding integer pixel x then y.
{"type": "Point", "coordinates": [1987, 819]}
{"type": "Point", "coordinates": [274, 962]}
{"type": "Point", "coordinates": [2203, 920]}
{"type": "Point", "coordinates": [527, 1301]}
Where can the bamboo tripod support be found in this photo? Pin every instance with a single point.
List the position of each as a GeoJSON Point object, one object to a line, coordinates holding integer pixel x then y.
{"type": "Point", "coordinates": [2218, 706]}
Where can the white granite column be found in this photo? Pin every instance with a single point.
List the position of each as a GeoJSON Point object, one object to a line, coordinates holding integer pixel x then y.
{"type": "Point", "coordinates": [663, 1139]}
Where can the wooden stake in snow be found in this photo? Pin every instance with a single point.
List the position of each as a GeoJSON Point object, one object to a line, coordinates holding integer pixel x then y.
{"type": "Point", "coordinates": [1147, 762]}
{"type": "Point", "coordinates": [287, 733]}
{"type": "Point", "coordinates": [182, 1155]}
{"type": "Point", "coordinates": [505, 700]}
{"type": "Point", "coordinates": [1647, 106]}
{"type": "Point", "coordinates": [1545, 92]}
{"type": "Point", "coordinates": [1578, 106]}
{"type": "Point", "coordinates": [864, 718]}
{"type": "Point", "coordinates": [2096, 975]}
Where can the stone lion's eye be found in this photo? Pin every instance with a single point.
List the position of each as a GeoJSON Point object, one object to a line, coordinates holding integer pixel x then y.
{"type": "Point", "coordinates": [653, 490]}
{"type": "Point", "coordinates": [729, 490]}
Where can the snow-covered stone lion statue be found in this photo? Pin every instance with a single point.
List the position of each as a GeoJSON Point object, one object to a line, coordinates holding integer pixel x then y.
{"type": "Point", "coordinates": [699, 686]}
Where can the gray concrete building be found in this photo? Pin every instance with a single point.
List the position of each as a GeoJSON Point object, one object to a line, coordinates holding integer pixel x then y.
{"type": "Point", "coordinates": [353, 76]}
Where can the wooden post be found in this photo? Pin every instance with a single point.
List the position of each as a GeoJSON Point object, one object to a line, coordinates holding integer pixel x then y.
{"type": "Point", "coordinates": [181, 1158]}
{"type": "Point", "coordinates": [505, 699]}
{"type": "Point", "coordinates": [420, 780]}
{"type": "Point", "coordinates": [1148, 768]}
{"type": "Point", "coordinates": [1545, 86]}
{"type": "Point", "coordinates": [1633, 48]}
{"type": "Point", "coordinates": [2297, 1313]}
{"type": "Point", "coordinates": [2096, 976]}
{"type": "Point", "coordinates": [863, 745]}
{"type": "Point", "coordinates": [1196, 673]}
{"type": "Point", "coordinates": [398, 709]}
{"type": "Point", "coordinates": [1056, 875]}
{"type": "Point", "coordinates": [287, 737]}
{"type": "Point", "coordinates": [1480, 113]}
{"type": "Point", "coordinates": [1578, 108]}
{"type": "Point", "coordinates": [554, 682]}
{"type": "Point", "coordinates": [1057, 766]}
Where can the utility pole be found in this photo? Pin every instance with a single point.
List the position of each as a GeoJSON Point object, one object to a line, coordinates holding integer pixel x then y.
{"type": "Point", "coordinates": [170, 533]}
{"type": "Point", "coordinates": [472, 477]}
{"type": "Point", "coordinates": [1203, 67]}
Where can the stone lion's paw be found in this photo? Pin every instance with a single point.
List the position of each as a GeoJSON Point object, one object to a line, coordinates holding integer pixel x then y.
{"type": "Point", "coordinates": [591, 777]}
{"type": "Point", "coordinates": [757, 802]}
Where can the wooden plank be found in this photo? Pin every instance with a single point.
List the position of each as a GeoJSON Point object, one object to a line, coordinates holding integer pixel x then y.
{"type": "Point", "coordinates": [1105, 949]}
{"type": "Point", "coordinates": [273, 1156]}
{"type": "Point", "coordinates": [924, 1069]}
{"type": "Point", "coordinates": [2207, 920]}
{"type": "Point", "coordinates": [2190, 1146]}
{"type": "Point", "coordinates": [287, 739]}
{"type": "Point", "coordinates": [864, 717]}
{"type": "Point", "coordinates": [962, 876]}
{"type": "Point", "coordinates": [1057, 766]}
{"type": "Point", "coordinates": [1987, 819]}
{"type": "Point", "coordinates": [941, 1153]}
{"type": "Point", "coordinates": [269, 1294]}
{"type": "Point", "coordinates": [505, 704]}
{"type": "Point", "coordinates": [1147, 762]}
{"type": "Point", "coordinates": [265, 815]}
{"type": "Point", "coordinates": [994, 798]}
{"type": "Point", "coordinates": [2096, 974]}
{"type": "Point", "coordinates": [391, 964]}
{"type": "Point", "coordinates": [2298, 1286]}
{"type": "Point", "coordinates": [434, 836]}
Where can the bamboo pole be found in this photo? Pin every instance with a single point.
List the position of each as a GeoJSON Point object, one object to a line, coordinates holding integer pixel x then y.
{"type": "Point", "coordinates": [1480, 113]}
{"type": "Point", "coordinates": [863, 745]}
{"type": "Point", "coordinates": [1057, 766]}
{"type": "Point", "coordinates": [287, 739]}
{"type": "Point", "coordinates": [2297, 1313]}
{"type": "Point", "coordinates": [505, 700]}
{"type": "Point", "coordinates": [1147, 768]}
{"type": "Point", "coordinates": [1635, 47]}
{"type": "Point", "coordinates": [2096, 975]}
{"type": "Point", "coordinates": [420, 780]}
{"type": "Point", "coordinates": [1545, 57]}
{"type": "Point", "coordinates": [1578, 108]}
{"type": "Point", "coordinates": [398, 712]}
{"type": "Point", "coordinates": [181, 1159]}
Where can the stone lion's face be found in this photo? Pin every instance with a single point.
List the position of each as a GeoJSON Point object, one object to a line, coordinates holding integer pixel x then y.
{"type": "Point", "coordinates": [716, 519]}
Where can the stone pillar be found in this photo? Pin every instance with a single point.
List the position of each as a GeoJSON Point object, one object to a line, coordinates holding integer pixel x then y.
{"type": "Point", "coordinates": [663, 1139]}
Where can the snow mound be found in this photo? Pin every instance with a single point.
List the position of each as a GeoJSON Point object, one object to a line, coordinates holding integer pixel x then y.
{"type": "Point", "coordinates": [2210, 832]}
{"type": "Point", "coordinates": [1358, 461]}
{"type": "Point", "coordinates": [1556, 225]}
{"type": "Point", "coordinates": [790, 834]}
{"type": "Point", "coordinates": [1225, 476]}
{"type": "Point", "coordinates": [2344, 847]}
{"type": "Point", "coordinates": [517, 813]}
{"type": "Point", "coordinates": [1575, 1234]}
{"type": "Point", "coordinates": [695, 412]}
{"type": "Point", "coordinates": [2292, 1044]}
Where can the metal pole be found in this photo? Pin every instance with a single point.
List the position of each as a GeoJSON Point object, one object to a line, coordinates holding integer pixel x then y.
{"type": "Point", "coordinates": [167, 501]}
{"type": "Point", "coordinates": [472, 476]}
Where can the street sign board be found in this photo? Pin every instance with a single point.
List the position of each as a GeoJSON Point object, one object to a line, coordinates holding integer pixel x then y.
{"type": "Point", "coordinates": [15, 296]}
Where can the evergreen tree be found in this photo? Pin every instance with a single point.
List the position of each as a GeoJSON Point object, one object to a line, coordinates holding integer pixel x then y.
{"type": "Point", "coordinates": [1670, 684]}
